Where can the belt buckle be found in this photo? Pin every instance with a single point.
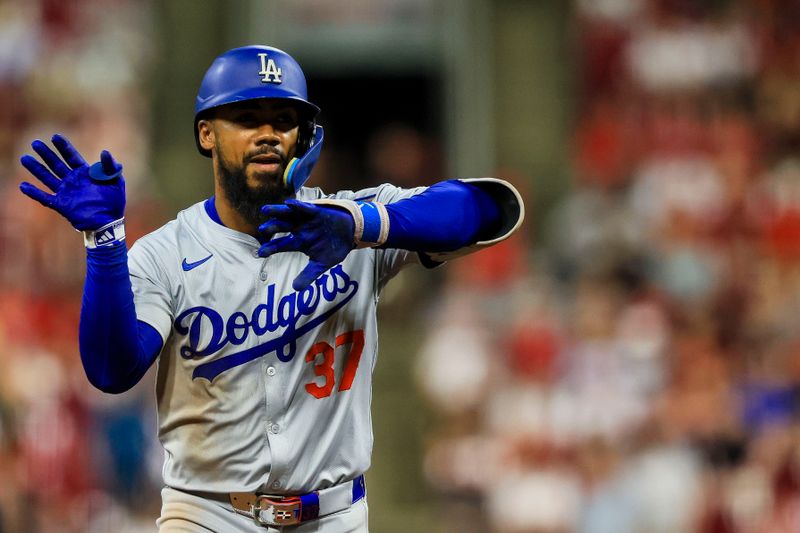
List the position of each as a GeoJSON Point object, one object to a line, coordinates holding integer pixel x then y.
{"type": "Point", "coordinates": [277, 511]}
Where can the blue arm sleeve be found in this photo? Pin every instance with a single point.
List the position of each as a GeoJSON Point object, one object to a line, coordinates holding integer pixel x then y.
{"type": "Point", "coordinates": [446, 216]}
{"type": "Point", "coordinates": [116, 349]}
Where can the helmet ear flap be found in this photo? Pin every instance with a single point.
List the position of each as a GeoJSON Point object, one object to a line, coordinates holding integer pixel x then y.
{"type": "Point", "coordinates": [305, 136]}
{"type": "Point", "coordinates": [299, 168]}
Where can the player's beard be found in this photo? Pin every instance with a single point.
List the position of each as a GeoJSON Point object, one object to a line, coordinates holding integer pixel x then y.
{"type": "Point", "coordinates": [248, 200]}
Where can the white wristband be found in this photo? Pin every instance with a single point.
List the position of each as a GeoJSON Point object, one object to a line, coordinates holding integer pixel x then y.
{"type": "Point", "coordinates": [371, 220]}
{"type": "Point", "coordinates": [111, 233]}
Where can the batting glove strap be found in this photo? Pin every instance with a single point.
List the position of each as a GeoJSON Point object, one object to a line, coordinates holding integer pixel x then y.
{"type": "Point", "coordinates": [371, 220]}
{"type": "Point", "coordinates": [108, 235]}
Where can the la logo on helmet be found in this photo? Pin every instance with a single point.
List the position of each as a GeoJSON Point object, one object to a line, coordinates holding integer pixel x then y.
{"type": "Point", "coordinates": [269, 70]}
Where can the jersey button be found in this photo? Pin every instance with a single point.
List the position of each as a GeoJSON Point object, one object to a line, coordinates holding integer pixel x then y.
{"type": "Point", "coordinates": [276, 484]}
{"type": "Point", "coordinates": [274, 428]}
{"type": "Point", "coordinates": [271, 370]}
{"type": "Point", "coordinates": [255, 253]}
{"type": "Point", "coordinates": [263, 276]}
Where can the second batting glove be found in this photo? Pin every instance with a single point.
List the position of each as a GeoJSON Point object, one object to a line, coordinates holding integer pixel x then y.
{"type": "Point", "coordinates": [324, 234]}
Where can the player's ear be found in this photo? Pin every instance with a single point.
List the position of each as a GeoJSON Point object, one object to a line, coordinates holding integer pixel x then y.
{"type": "Point", "coordinates": [205, 131]}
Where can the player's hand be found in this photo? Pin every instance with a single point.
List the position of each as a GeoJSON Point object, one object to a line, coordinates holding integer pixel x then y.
{"type": "Point", "coordinates": [324, 234]}
{"type": "Point", "coordinates": [89, 197]}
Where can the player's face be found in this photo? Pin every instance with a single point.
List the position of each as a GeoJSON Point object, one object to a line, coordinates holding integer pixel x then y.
{"type": "Point", "coordinates": [256, 136]}
{"type": "Point", "coordinates": [252, 142]}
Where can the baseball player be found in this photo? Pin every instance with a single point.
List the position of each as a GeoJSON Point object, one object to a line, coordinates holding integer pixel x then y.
{"type": "Point", "coordinates": [258, 303]}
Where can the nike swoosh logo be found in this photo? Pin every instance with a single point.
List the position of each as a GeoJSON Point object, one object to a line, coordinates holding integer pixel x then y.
{"type": "Point", "coordinates": [188, 266]}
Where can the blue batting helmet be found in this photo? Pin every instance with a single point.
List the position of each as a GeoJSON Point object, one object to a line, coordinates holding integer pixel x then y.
{"type": "Point", "coordinates": [252, 72]}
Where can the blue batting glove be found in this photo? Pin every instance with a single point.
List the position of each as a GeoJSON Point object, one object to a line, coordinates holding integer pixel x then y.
{"type": "Point", "coordinates": [88, 197]}
{"type": "Point", "coordinates": [324, 234]}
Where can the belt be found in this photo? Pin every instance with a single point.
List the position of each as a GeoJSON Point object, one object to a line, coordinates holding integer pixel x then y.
{"type": "Point", "coordinates": [272, 510]}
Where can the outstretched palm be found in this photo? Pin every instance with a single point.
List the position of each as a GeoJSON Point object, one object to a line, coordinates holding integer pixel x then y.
{"type": "Point", "coordinates": [89, 197]}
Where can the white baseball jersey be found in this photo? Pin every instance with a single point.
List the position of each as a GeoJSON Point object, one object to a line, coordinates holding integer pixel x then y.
{"type": "Point", "coordinates": [259, 387]}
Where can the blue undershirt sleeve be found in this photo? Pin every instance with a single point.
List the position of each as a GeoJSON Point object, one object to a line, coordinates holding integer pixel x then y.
{"type": "Point", "coordinates": [116, 349]}
{"type": "Point", "coordinates": [444, 217]}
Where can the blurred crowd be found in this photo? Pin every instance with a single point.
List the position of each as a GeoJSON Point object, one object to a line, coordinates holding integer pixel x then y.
{"type": "Point", "coordinates": [638, 368]}
{"type": "Point", "coordinates": [71, 459]}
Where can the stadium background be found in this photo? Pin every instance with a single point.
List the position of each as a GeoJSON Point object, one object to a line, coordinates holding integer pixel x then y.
{"type": "Point", "coordinates": [627, 363]}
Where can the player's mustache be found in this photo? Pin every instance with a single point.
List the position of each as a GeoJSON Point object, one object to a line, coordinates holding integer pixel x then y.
{"type": "Point", "coordinates": [266, 150]}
